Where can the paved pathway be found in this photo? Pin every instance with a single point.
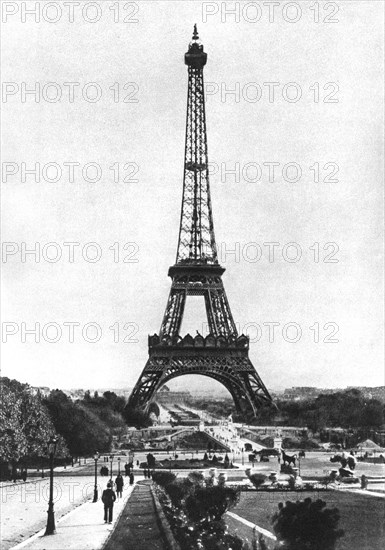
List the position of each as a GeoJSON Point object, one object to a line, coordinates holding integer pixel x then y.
{"type": "Point", "coordinates": [81, 529]}
{"type": "Point", "coordinates": [24, 505]}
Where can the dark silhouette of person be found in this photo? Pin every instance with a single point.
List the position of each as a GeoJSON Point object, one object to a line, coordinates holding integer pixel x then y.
{"type": "Point", "coordinates": [127, 469]}
{"type": "Point", "coordinates": [108, 499]}
{"type": "Point", "coordinates": [119, 485]}
{"type": "Point", "coordinates": [131, 478]}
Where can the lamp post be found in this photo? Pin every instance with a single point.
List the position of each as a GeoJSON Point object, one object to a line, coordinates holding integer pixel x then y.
{"type": "Point", "coordinates": [50, 529]}
{"type": "Point", "coordinates": [243, 458]}
{"type": "Point", "coordinates": [119, 459]}
{"type": "Point", "coordinates": [96, 458]}
{"type": "Point", "coordinates": [111, 459]}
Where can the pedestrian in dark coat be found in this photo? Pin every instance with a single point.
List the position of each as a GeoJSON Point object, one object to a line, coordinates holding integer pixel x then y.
{"type": "Point", "coordinates": [119, 485]}
{"type": "Point", "coordinates": [108, 499]}
{"type": "Point", "coordinates": [131, 478]}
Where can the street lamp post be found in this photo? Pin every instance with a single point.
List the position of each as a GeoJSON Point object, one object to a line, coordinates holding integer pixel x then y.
{"type": "Point", "coordinates": [96, 458]}
{"type": "Point", "coordinates": [119, 459]}
{"type": "Point", "coordinates": [111, 459]}
{"type": "Point", "coordinates": [50, 529]}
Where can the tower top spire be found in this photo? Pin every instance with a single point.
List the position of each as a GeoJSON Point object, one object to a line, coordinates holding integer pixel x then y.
{"type": "Point", "coordinates": [195, 56]}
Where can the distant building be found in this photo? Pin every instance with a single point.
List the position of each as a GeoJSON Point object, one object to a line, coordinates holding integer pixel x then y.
{"type": "Point", "coordinates": [274, 431]}
{"type": "Point", "coordinates": [43, 390]}
{"type": "Point", "coordinates": [303, 392]}
{"type": "Point", "coordinates": [74, 394]}
{"type": "Point", "coordinates": [167, 397]}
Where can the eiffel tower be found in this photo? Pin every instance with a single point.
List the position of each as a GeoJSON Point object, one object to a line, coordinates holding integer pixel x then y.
{"type": "Point", "coordinates": [222, 354]}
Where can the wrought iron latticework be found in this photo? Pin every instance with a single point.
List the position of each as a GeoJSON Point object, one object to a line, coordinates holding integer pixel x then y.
{"type": "Point", "coordinates": [223, 354]}
{"type": "Point", "coordinates": [196, 233]}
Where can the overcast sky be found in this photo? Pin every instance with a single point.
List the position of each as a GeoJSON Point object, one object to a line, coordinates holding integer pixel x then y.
{"type": "Point", "coordinates": [328, 122]}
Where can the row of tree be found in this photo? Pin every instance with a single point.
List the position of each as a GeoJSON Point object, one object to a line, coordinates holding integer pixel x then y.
{"type": "Point", "coordinates": [345, 409]}
{"type": "Point", "coordinates": [28, 419]}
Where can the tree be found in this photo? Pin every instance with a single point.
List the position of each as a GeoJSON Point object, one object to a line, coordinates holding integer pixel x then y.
{"type": "Point", "coordinates": [83, 431]}
{"type": "Point", "coordinates": [116, 402]}
{"type": "Point", "coordinates": [136, 417]}
{"type": "Point", "coordinates": [26, 423]}
{"type": "Point", "coordinates": [372, 414]}
{"type": "Point", "coordinates": [87, 396]}
{"type": "Point", "coordinates": [307, 525]}
{"type": "Point", "coordinates": [13, 442]}
{"type": "Point", "coordinates": [151, 461]}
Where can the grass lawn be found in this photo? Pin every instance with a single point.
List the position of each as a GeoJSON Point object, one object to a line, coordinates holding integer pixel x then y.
{"type": "Point", "coordinates": [362, 517]}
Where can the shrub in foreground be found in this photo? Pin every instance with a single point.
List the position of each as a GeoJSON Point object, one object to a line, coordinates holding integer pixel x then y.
{"type": "Point", "coordinates": [195, 511]}
{"type": "Point", "coordinates": [307, 525]}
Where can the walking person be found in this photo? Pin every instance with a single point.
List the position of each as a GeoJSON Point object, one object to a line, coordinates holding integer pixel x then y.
{"type": "Point", "coordinates": [131, 478]}
{"type": "Point", "coordinates": [108, 499]}
{"type": "Point", "coordinates": [119, 485]}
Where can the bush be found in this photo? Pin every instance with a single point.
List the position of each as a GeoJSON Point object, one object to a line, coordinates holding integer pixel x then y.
{"type": "Point", "coordinates": [210, 503]}
{"type": "Point", "coordinates": [176, 491]}
{"type": "Point", "coordinates": [307, 525]}
{"type": "Point", "coordinates": [195, 512]}
{"type": "Point", "coordinates": [257, 479]}
{"type": "Point", "coordinates": [196, 478]}
{"type": "Point", "coordinates": [163, 478]}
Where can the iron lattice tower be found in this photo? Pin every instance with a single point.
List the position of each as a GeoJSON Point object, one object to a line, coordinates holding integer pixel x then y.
{"type": "Point", "coordinates": [223, 354]}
